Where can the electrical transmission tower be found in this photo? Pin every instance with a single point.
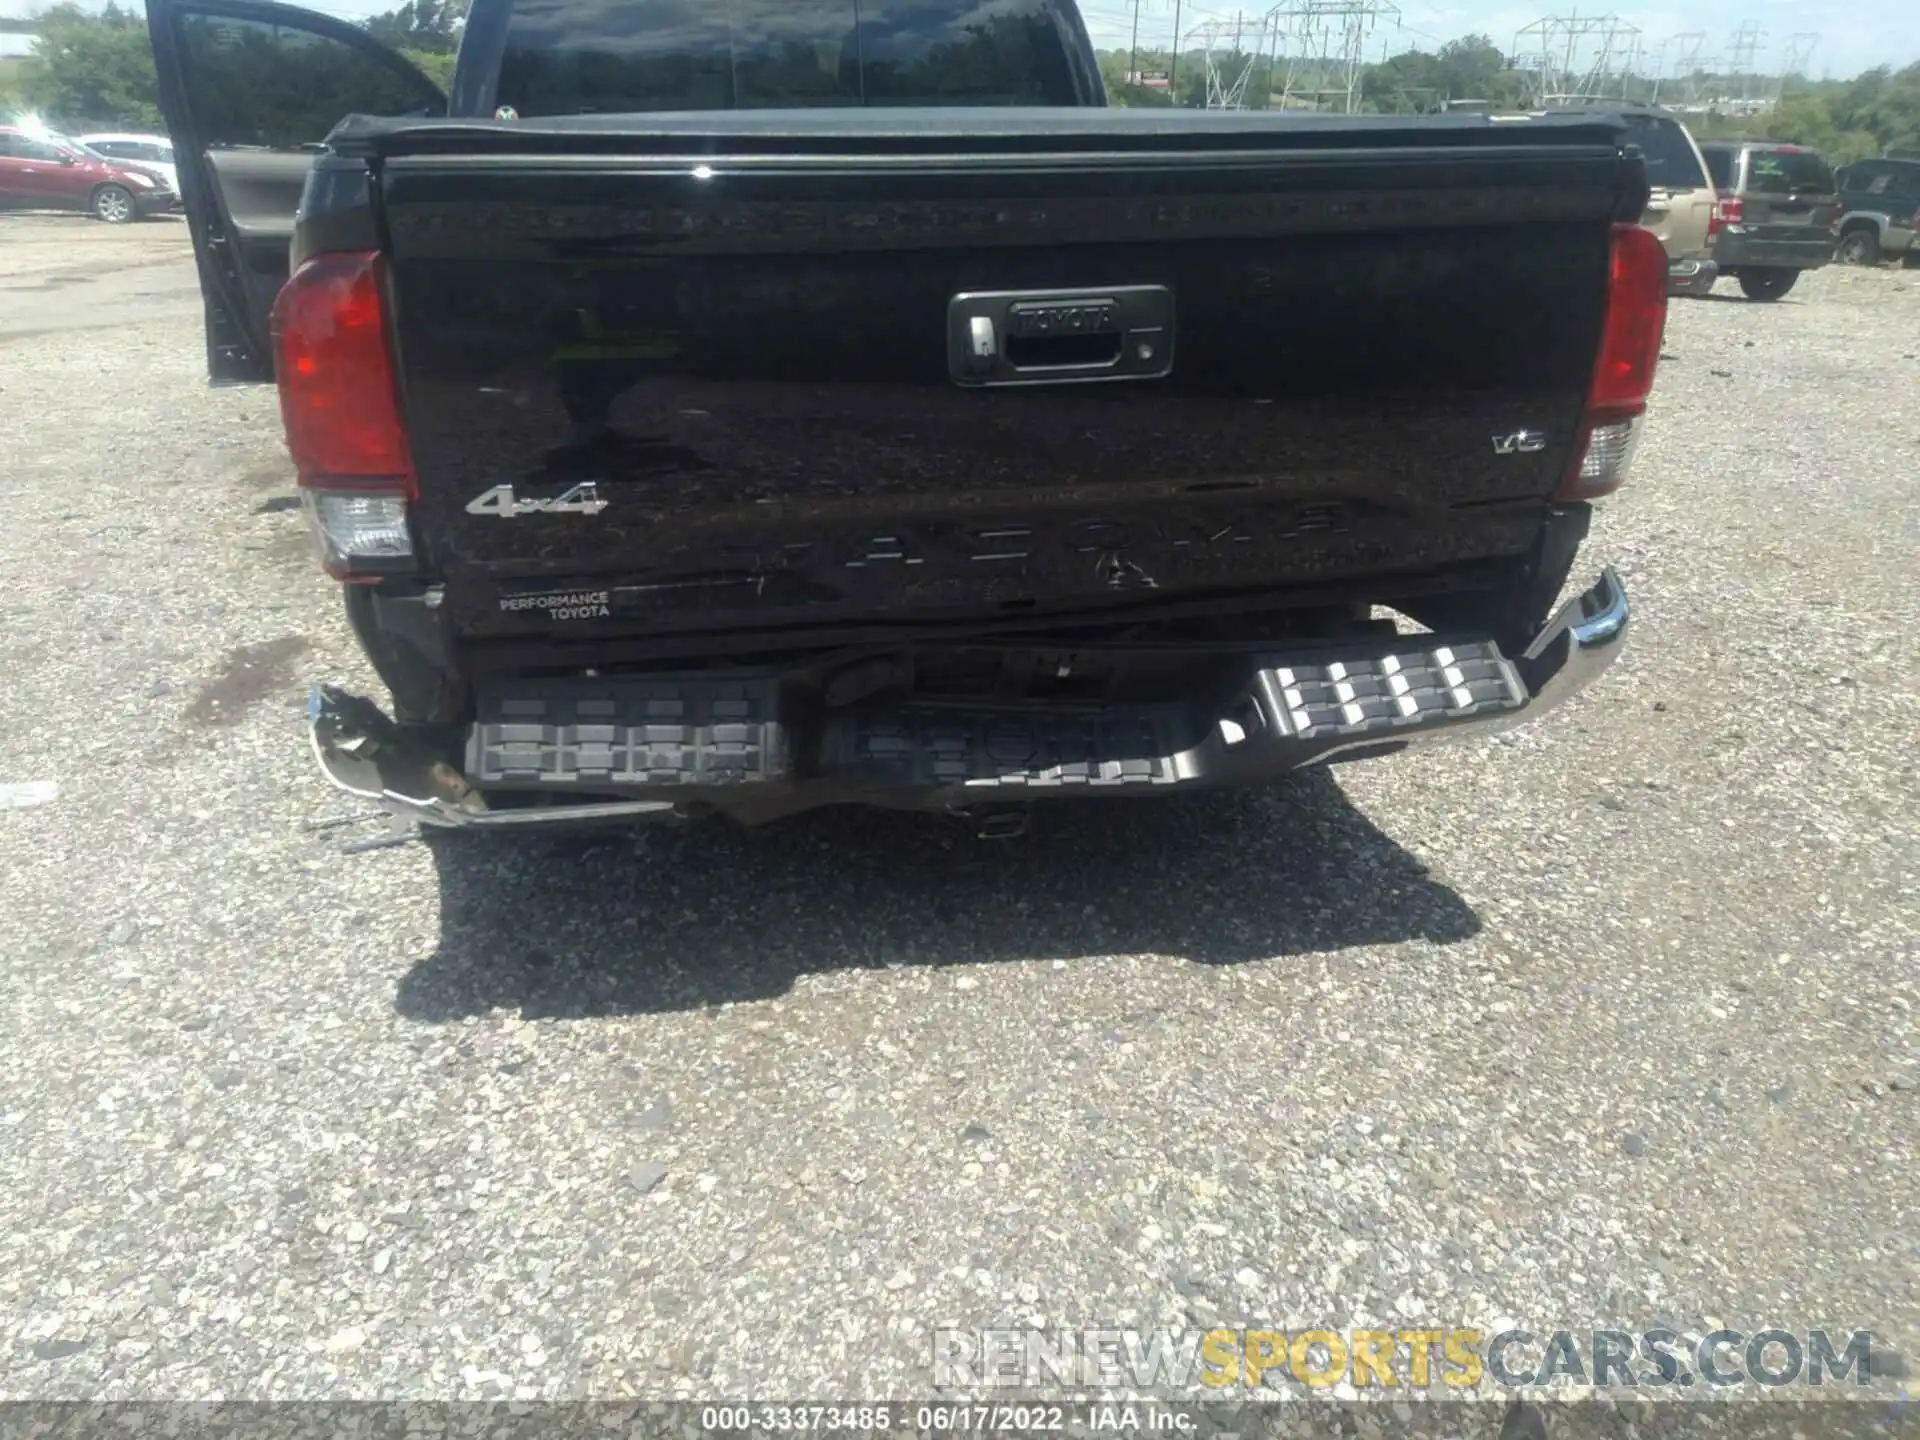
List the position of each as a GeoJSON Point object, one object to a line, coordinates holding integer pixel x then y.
{"type": "Point", "coordinates": [1630, 64]}
{"type": "Point", "coordinates": [1612, 68]}
{"type": "Point", "coordinates": [1660, 67]}
{"type": "Point", "coordinates": [1325, 44]}
{"type": "Point", "coordinates": [1577, 59]}
{"type": "Point", "coordinates": [1228, 64]}
{"type": "Point", "coordinates": [1742, 51]}
{"type": "Point", "coordinates": [1686, 66]}
{"type": "Point", "coordinates": [1798, 58]}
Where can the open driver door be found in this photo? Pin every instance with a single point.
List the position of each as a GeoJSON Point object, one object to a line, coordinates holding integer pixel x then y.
{"type": "Point", "coordinates": [249, 90]}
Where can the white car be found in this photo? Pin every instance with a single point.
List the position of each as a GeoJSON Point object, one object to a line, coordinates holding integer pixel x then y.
{"type": "Point", "coordinates": [149, 152]}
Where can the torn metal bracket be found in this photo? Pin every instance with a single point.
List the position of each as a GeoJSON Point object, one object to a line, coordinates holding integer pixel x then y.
{"type": "Point", "coordinates": [403, 832]}
{"type": "Point", "coordinates": [340, 822]}
{"type": "Point", "coordinates": [399, 830]}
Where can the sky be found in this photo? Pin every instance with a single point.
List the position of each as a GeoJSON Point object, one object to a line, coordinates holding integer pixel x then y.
{"type": "Point", "coordinates": [1853, 34]}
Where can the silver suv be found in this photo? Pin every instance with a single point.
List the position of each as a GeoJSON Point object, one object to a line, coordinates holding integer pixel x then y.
{"type": "Point", "coordinates": [1681, 200]}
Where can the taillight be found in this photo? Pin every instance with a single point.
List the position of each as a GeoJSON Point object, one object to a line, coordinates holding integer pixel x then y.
{"type": "Point", "coordinates": [341, 410]}
{"type": "Point", "coordinates": [1729, 210]}
{"type": "Point", "coordinates": [1630, 338]}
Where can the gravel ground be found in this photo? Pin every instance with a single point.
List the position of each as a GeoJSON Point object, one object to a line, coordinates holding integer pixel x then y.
{"type": "Point", "coordinates": [56, 277]}
{"type": "Point", "coordinates": [1611, 1021]}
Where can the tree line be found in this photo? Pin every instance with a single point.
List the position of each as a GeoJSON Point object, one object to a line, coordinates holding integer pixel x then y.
{"type": "Point", "coordinates": [1874, 113]}
{"type": "Point", "coordinates": [1415, 82]}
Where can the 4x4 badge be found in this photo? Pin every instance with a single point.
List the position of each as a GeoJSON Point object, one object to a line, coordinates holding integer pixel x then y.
{"type": "Point", "coordinates": [582, 499]}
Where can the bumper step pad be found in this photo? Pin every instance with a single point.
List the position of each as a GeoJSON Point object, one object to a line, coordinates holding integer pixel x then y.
{"type": "Point", "coordinates": [678, 734]}
{"type": "Point", "coordinates": [935, 749]}
{"type": "Point", "coordinates": [1393, 692]}
{"type": "Point", "coordinates": [626, 733]}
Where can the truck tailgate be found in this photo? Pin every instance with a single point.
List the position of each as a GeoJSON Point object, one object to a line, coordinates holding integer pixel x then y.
{"type": "Point", "coordinates": [700, 374]}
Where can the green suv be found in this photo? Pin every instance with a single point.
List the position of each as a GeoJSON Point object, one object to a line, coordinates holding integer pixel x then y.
{"type": "Point", "coordinates": [1880, 211]}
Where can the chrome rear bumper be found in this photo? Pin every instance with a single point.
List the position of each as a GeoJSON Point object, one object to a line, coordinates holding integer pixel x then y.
{"type": "Point", "coordinates": [1582, 639]}
{"type": "Point", "coordinates": [1296, 712]}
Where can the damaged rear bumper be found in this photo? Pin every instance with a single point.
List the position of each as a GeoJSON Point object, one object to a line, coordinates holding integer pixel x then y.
{"type": "Point", "coordinates": [565, 752]}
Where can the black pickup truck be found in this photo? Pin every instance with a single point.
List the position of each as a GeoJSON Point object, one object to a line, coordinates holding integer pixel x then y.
{"type": "Point", "coordinates": [737, 409]}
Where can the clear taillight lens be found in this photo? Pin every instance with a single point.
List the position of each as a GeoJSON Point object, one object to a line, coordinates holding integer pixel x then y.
{"type": "Point", "coordinates": [359, 530]}
{"type": "Point", "coordinates": [1610, 449]}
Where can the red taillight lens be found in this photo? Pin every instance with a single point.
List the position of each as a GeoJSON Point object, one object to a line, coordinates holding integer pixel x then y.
{"type": "Point", "coordinates": [1636, 322]}
{"type": "Point", "coordinates": [1729, 210]}
{"type": "Point", "coordinates": [337, 396]}
{"type": "Point", "coordinates": [1630, 338]}
{"type": "Point", "coordinates": [342, 414]}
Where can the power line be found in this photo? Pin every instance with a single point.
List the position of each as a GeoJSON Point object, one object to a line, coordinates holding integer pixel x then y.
{"type": "Point", "coordinates": [1741, 50]}
{"type": "Point", "coordinates": [1133, 49]}
{"type": "Point", "coordinates": [1173, 66]}
{"type": "Point", "coordinates": [1686, 65]}
{"type": "Point", "coordinates": [1659, 68]}
{"type": "Point", "coordinates": [1798, 59]}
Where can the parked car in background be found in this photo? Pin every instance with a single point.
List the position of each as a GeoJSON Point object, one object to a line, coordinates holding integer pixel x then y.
{"type": "Point", "coordinates": [1681, 205]}
{"type": "Point", "coordinates": [49, 172]}
{"type": "Point", "coordinates": [1879, 210]}
{"type": "Point", "coordinates": [149, 152]}
{"type": "Point", "coordinates": [1778, 210]}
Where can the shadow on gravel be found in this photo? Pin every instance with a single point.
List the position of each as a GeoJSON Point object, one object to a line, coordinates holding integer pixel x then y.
{"type": "Point", "coordinates": [673, 919]}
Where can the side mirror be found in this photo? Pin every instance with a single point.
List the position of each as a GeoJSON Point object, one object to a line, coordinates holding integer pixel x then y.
{"type": "Point", "coordinates": [66, 158]}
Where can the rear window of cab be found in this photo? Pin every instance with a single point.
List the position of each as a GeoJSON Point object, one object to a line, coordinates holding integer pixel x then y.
{"type": "Point", "coordinates": [573, 57]}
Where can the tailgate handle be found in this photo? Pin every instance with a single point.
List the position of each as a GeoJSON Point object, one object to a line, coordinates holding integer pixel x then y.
{"type": "Point", "coordinates": [1053, 337]}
